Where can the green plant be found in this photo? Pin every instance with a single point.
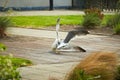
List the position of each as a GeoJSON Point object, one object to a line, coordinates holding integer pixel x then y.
{"type": "Point", "coordinates": [7, 70]}
{"type": "Point", "coordinates": [91, 21]}
{"type": "Point", "coordinates": [92, 18]}
{"type": "Point", "coordinates": [117, 29]}
{"type": "Point", "coordinates": [2, 47]}
{"type": "Point", "coordinates": [79, 74]}
{"type": "Point", "coordinates": [4, 23]}
{"type": "Point", "coordinates": [9, 66]}
{"type": "Point", "coordinates": [94, 11]}
{"type": "Point", "coordinates": [118, 5]}
{"type": "Point", "coordinates": [114, 22]}
{"type": "Point", "coordinates": [20, 62]}
{"type": "Point", "coordinates": [118, 73]}
{"type": "Point", "coordinates": [105, 19]}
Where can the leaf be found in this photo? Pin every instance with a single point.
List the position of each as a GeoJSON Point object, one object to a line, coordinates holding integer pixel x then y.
{"type": "Point", "coordinates": [2, 47]}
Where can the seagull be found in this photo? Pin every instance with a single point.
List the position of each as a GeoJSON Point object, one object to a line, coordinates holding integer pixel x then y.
{"type": "Point", "coordinates": [71, 34]}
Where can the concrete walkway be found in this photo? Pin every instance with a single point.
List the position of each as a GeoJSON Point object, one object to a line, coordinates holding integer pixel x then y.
{"type": "Point", "coordinates": [45, 13]}
{"type": "Point", "coordinates": [36, 46]}
{"type": "Point", "coordinates": [35, 32]}
{"type": "Point", "coordinates": [49, 13]}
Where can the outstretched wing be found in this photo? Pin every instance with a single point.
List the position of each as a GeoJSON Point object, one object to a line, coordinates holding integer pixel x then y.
{"type": "Point", "coordinates": [73, 33]}
{"type": "Point", "coordinates": [57, 40]}
{"type": "Point", "coordinates": [57, 28]}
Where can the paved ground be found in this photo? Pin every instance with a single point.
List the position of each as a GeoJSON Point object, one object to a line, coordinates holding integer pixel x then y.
{"type": "Point", "coordinates": [36, 46]}
{"type": "Point", "coordinates": [48, 13]}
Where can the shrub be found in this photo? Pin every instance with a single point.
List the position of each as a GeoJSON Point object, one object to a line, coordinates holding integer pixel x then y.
{"type": "Point", "coordinates": [94, 11]}
{"type": "Point", "coordinates": [4, 23]}
{"type": "Point", "coordinates": [9, 66]}
{"type": "Point", "coordinates": [7, 70]}
{"type": "Point", "coordinates": [118, 73]}
{"type": "Point", "coordinates": [117, 29]}
{"type": "Point", "coordinates": [100, 65]}
{"type": "Point", "coordinates": [91, 20]}
{"type": "Point", "coordinates": [114, 22]}
{"type": "Point", "coordinates": [118, 5]}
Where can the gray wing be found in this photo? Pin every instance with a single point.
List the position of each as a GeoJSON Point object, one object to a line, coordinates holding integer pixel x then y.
{"type": "Point", "coordinates": [69, 36]}
{"type": "Point", "coordinates": [73, 33]}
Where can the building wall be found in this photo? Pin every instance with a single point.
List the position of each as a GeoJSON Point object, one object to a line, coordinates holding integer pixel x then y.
{"type": "Point", "coordinates": [62, 3]}
{"type": "Point", "coordinates": [25, 3]}
{"type": "Point", "coordinates": [35, 4]}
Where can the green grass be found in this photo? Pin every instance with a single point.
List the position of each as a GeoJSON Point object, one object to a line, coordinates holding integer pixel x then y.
{"type": "Point", "coordinates": [46, 21]}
